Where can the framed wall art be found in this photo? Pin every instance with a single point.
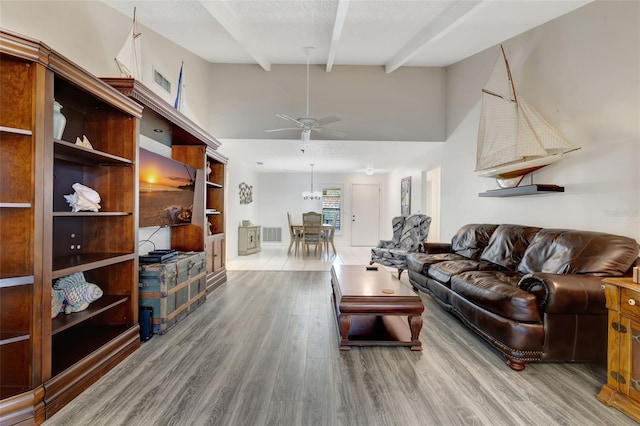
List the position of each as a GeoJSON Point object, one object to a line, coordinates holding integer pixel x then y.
{"type": "Point", "coordinates": [405, 196]}
{"type": "Point", "coordinates": [246, 193]}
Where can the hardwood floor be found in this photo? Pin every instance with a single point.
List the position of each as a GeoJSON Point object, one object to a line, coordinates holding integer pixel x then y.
{"type": "Point", "coordinates": [263, 350]}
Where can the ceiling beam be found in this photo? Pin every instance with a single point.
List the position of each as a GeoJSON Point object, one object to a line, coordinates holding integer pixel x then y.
{"type": "Point", "coordinates": [236, 29]}
{"type": "Point", "coordinates": [454, 15]}
{"type": "Point", "coordinates": [341, 14]}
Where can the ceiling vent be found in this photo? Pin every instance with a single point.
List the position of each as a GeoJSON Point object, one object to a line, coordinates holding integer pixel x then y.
{"type": "Point", "coordinates": [161, 81]}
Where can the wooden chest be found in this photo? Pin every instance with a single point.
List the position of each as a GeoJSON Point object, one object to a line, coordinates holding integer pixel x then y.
{"type": "Point", "coordinates": [173, 288]}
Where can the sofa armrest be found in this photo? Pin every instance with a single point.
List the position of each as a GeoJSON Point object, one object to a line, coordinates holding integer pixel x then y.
{"type": "Point", "coordinates": [566, 293]}
{"type": "Point", "coordinates": [434, 248]}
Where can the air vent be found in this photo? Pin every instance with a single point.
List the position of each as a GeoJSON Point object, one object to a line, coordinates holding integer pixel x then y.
{"type": "Point", "coordinates": [161, 81]}
{"type": "Point", "coordinates": [272, 235]}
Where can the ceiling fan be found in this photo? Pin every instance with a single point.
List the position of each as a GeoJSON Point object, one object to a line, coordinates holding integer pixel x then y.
{"type": "Point", "coordinates": [307, 123]}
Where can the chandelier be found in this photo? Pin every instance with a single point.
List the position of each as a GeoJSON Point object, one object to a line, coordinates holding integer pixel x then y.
{"type": "Point", "coordinates": [311, 195]}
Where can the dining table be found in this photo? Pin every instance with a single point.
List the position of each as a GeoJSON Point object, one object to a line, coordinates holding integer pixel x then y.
{"type": "Point", "coordinates": [297, 229]}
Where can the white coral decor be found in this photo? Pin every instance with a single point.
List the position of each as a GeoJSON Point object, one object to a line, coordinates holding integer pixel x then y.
{"type": "Point", "coordinates": [84, 199]}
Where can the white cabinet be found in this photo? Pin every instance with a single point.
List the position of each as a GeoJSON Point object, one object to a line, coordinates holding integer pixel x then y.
{"type": "Point", "coordinates": [248, 239]}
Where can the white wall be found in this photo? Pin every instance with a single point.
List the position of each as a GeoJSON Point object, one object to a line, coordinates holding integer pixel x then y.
{"type": "Point", "coordinates": [277, 193]}
{"type": "Point", "coordinates": [584, 82]}
{"type": "Point", "coordinates": [238, 172]}
{"type": "Point", "coordinates": [91, 33]}
{"type": "Point", "coordinates": [406, 105]}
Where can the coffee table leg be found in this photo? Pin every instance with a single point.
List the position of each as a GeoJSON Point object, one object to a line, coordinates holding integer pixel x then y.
{"type": "Point", "coordinates": [415, 324]}
{"type": "Point", "coordinates": [345, 325]}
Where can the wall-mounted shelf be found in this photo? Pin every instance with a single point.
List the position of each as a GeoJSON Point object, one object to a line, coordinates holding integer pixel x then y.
{"type": "Point", "coordinates": [522, 190]}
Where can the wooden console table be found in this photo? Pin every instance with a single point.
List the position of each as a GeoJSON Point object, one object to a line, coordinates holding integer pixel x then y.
{"type": "Point", "coordinates": [622, 389]}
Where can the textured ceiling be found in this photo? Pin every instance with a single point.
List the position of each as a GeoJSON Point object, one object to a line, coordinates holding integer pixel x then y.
{"type": "Point", "coordinates": [390, 34]}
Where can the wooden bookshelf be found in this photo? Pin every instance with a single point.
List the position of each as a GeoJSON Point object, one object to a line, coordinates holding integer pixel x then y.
{"type": "Point", "coordinates": [47, 362]}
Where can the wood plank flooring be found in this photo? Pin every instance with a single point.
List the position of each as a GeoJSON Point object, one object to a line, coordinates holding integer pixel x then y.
{"type": "Point", "coordinates": [263, 350]}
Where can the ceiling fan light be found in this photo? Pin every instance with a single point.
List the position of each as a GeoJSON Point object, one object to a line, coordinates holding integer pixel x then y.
{"type": "Point", "coordinates": [306, 135]}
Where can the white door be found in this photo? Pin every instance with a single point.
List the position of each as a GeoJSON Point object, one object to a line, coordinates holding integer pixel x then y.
{"type": "Point", "coordinates": [365, 214]}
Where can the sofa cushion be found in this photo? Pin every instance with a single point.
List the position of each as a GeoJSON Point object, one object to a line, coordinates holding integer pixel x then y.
{"type": "Point", "coordinates": [470, 240]}
{"type": "Point", "coordinates": [562, 251]}
{"type": "Point", "coordinates": [420, 262]}
{"type": "Point", "coordinates": [443, 271]}
{"type": "Point", "coordinates": [508, 244]}
{"type": "Point", "coordinates": [497, 292]}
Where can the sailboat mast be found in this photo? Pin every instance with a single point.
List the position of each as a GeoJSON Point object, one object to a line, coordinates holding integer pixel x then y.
{"type": "Point", "coordinates": [506, 63]}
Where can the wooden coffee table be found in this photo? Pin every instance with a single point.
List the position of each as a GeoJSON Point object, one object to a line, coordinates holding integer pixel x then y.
{"type": "Point", "coordinates": [373, 308]}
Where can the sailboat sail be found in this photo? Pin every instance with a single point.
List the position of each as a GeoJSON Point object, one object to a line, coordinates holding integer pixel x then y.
{"type": "Point", "coordinates": [128, 58]}
{"type": "Point", "coordinates": [513, 139]}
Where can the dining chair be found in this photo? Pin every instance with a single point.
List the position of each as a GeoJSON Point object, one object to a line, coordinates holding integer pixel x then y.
{"type": "Point", "coordinates": [311, 232]}
{"type": "Point", "coordinates": [295, 235]}
{"type": "Point", "coordinates": [327, 235]}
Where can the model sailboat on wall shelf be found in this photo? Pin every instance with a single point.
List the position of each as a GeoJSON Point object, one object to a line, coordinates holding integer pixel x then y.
{"type": "Point", "coordinates": [513, 139]}
{"type": "Point", "coordinates": [128, 58]}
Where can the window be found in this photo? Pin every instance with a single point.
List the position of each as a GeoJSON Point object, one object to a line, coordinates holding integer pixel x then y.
{"type": "Point", "coordinates": [331, 206]}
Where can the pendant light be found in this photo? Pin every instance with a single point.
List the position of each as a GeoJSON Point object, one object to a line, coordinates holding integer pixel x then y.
{"type": "Point", "coordinates": [311, 195]}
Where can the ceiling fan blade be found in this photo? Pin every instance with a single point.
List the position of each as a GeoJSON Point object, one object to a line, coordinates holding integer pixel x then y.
{"type": "Point", "coordinates": [286, 117]}
{"type": "Point", "coordinates": [282, 129]}
{"type": "Point", "coordinates": [328, 120]}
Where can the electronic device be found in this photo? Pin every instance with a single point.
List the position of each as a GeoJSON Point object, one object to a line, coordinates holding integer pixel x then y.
{"type": "Point", "coordinates": [157, 256]}
{"type": "Point", "coordinates": [145, 319]}
{"type": "Point", "coordinates": [166, 190]}
{"type": "Point", "coordinates": [372, 268]}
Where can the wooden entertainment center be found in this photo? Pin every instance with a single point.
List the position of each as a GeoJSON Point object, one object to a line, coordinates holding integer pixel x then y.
{"type": "Point", "coordinates": [191, 145]}
{"type": "Point", "coordinates": [44, 362]}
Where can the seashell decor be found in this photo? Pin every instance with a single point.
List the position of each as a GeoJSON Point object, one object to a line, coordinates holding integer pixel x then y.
{"type": "Point", "coordinates": [84, 142]}
{"type": "Point", "coordinates": [84, 199]}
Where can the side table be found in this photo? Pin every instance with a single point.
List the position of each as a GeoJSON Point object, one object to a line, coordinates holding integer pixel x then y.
{"type": "Point", "coordinates": [248, 239]}
{"type": "Point", "coordinates": [622, 389]}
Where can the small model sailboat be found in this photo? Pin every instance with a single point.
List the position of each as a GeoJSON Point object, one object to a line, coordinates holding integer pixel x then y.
{"type": "Point", "coordinates": [513, 139]}
{"type": "Point", "coordinates": [128, 58]}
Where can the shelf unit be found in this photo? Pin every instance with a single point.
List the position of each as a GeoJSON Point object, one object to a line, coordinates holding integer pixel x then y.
{"type": "Point", "coordinates": [44, 362]}
{"type": "Point", "coordinates": [522, 190]}
{"type": "Point", "coordinates": [215, 222]}
{"type": "Point", "coordinates": [192, 145]}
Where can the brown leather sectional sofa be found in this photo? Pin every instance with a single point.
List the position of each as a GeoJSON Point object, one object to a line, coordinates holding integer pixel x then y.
{"type": "Point", "coordinates": [534, 294]}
